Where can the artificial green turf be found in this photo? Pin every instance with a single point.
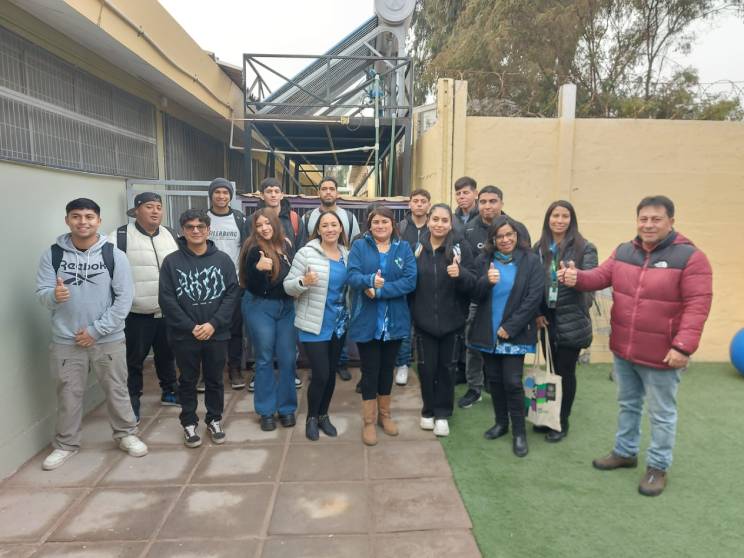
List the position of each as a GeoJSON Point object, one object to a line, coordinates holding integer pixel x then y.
{"type": "Point", "coordinates": [554, 503]}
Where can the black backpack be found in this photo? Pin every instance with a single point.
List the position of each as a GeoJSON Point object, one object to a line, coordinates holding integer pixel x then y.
{"type": "Point", "coordinates": [107, 252]}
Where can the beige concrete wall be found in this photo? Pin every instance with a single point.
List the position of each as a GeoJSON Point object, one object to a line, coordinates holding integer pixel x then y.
{"type": "Point", "coordinates": [605, 167]}
{"type": "Point", "coordinates": [33, 209]}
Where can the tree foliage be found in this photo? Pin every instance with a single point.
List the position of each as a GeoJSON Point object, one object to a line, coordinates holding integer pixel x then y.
{"type": "Point", "coordinates": [515, 54]}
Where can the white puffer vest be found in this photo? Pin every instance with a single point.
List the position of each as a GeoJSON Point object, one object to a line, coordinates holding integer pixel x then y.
{"type": "Point", "coordinates": [310, 301]}
{"type": "Point", "coordinates": [146, 254]}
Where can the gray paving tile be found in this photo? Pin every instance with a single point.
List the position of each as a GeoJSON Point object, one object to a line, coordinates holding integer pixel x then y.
{"type": "Point", "coordinates": [408, 460]}
{"type": "Point", "coordinates": [329, 546]}
{"type": "Point", "coordinates": [218, 512]}
{"type": "Point", "coordinates": [323, 462]}
{"type": "Point", "coordinates": [159, 466]}
{"type": "Point", "coordinates": [348, 425]}
{"type": "Point", "coordinates": [330, 508]}
{"type": "Point", "coordinates": [96, 432]}
{"type": "Point", "coordinates": [80, 470]}
{"type": "Point", "coordinates": [412, 505]}
{"type": "Point", "coordinates": [165, 430]}
{"type": "Point", "coordinates": [427, 544]}
{"type": "Point", "coordinates": [245, 428]}
{"type": "Point", "coordinates": [406, 397]}
{"type": "Point", "coordinates": [242, 402]}
{"type": "Point", "coordinates": [17, 550]}
{"type": "Point", "coordinates": [408, 426]}
{"type": "Point", "coordinates": [228, 464]}
{"type": "Point", "coordinates": [91, 550]}
{"type": "Point", "coordinates": [27, 513]}
{"type": "Point", "coordinates": [116, 514]}
{"type": "Point", "coordinates": [223, 548]}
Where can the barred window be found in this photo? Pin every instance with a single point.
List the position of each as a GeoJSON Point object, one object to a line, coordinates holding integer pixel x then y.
{"type": "Point", "coordinates": [52, 113]}
{"type": "Point", "coordinates": [191, 154]}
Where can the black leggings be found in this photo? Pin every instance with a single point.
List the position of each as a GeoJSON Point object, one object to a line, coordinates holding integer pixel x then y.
{"type": "Point", "coordinates": [565, 359]}
{"type": "Point", "coordinates": [378, 360]}
{"type": "Point", "coordinates": [437, 364]}
{"type": "Point", "coordinates": [504, 373]}
{"type": "Point", "coordinates": [323, 357]}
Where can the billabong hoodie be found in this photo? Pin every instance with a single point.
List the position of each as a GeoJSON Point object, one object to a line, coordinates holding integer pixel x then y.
{"type": "Point", "coordinates": [90, 305]}
{"type": "Point", "coordinates": [197, 290]}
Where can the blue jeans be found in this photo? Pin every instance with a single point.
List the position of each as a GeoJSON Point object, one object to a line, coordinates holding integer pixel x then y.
{"type": "Point", "coordinates": [634, 382]}
{"type": "Point", "coordinates": [404, 353]}
{"type": "Point", "coordinates": [273, 336]}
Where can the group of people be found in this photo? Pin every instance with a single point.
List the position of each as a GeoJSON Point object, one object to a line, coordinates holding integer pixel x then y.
{"type": "Point", "coordinates": [466, 288]}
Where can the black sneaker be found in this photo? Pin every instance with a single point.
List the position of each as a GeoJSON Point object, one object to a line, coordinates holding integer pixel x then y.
{"type": "Point", "coordinates": [252, 386]}
{"type": "Point", "coordinates": [169, 399]}
{"type": "Point", "coordinates": [287, 421]}
{"type": "Point", "coordinates": [344, 373]}
{"type": "Point", "coordinates": [471, 397]}
{"type": "Point", "coordinates": [298, 382]}
{"type": "Point", "coordinates": [268, 423]}
{"type": "Point", "coordinates": [190, 438]}
{"type": "Point", "coordinates": [216, 432]}
{"type": "Point", "coordinates": [237, 381]}
{"type": "Point", "coordinates": [324, 423]}
{"type": "Point", "coordinates": [358, 387]}
{"type": "Point", "coordinates": [200, 387]}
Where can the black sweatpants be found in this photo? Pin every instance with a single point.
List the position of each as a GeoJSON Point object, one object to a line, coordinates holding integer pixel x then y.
{"type": "Point", "coordinates": [323, 357]}
{"type": "Point", "coordinates": [144, 332]}
{"type": "Point", "coordinates": [193, 356]}
{"type": "Point", "coordinates": [377, 363]}
{"type": "Point", "coordinates": [235, 345]}
{"type": "Point", "coordinates": [504, 374]}
{"type": "Point", "coordinates": [437, 366]}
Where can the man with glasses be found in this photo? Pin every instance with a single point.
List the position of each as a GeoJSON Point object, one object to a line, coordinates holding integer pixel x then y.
{"type": "Point", "coordinates": [490, 205]}
{"type": "Point", "coordinates": [198, 292]}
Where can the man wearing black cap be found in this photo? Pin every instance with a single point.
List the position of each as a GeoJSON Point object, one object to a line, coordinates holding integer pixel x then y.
{"type": "Point", "coordinates": [146, 243]}
{"type": "Point", "coordinates": [228, 231]}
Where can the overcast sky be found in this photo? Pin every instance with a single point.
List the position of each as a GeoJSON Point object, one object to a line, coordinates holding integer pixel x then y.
{"type": "Point", "coordinates": [231, 27]}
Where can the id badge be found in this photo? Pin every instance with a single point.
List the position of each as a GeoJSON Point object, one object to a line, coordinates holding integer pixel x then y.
{"type": "Point", "coordinates": [552, 296]}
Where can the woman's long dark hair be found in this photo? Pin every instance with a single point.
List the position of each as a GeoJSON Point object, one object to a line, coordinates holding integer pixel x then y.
{"type": "Point", "coordinates": [573, 237]}
{"type": "Point", "coordinates": [271, 248]}
{"type": "Point", "coordinates": [490, 246]}
{"type": "Point", "coordinates": [449, 239]}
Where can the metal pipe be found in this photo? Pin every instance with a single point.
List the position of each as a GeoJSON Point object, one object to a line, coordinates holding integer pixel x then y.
{"type": "Point", "coordinates": [377, 133]}
{"type": "Point", "coordinates": [391, 157]}
{"type": "Point", "coordinates": [142, 33]}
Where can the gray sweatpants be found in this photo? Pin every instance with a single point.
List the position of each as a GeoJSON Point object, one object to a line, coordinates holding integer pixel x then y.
{"type": "Point", "coordinates": [473, 358]}
{"type": "Point", "coordinates": [69, 365]}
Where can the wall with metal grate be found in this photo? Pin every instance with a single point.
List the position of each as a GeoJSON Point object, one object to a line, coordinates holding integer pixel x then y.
{"type": "Point", "coordinates": [52, 113]}
{"type": "Point", "coordinates": [190, 154]}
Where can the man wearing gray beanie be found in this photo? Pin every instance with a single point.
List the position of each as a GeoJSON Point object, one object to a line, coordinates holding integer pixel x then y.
{"type": "Point", "coordinates": [227, 231]}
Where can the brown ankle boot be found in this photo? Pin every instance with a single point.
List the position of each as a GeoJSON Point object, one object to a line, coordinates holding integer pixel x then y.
{"type": "Point", "coordinates": [385, 418]}
{"type": "Point", "coordinates": [369, 416]}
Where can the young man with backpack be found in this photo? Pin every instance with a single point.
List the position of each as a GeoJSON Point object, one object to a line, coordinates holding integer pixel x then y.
{"type": "Point", "coordinates": [198, 291]}
{"type": "Point", "coordinates": [272, 197]}
{"type": "Point", "coordinates": [228, 232]}
{"type": "Point", "coordinates": [86, 283]}
{"type": "Point", "coordinates": [146, 242]}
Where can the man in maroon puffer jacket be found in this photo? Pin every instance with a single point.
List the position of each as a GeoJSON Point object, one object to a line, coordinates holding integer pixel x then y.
{"type": "Point", "coordinates": [662, 291]}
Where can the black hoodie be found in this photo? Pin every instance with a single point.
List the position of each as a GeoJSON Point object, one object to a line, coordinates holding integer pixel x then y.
{"type": "Point", "coordinates": [439, 304]}
{"type": "Point", "coordinates": [285, 218]}
{"type": "Point", "coordinates": [196, 290]}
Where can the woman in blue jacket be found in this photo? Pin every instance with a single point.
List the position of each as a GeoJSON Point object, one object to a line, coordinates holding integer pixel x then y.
{"type": "Point", "coordinates": [382, 271]}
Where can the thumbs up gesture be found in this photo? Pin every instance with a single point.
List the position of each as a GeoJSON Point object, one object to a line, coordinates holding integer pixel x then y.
{"type": "Point", "coordinates": [264, 263]}
{"type": "Point", "coordinates": [493, 274]}
{"type": "Point", "coordinates": [453, 269]}
{"type": "Point", "coordinates": [61, 292]}
{"type": "Point", "coordinates": [310, 278]}
{"type": "Point", "coordinates": [379, 281]}
{"type": "Point", "coordinates": [567, 275]}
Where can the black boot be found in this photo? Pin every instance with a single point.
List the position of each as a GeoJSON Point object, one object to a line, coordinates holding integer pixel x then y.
{"type": "Point", "coordinates": [553, 436]}
{"type": "Point", "coordinates": [496, 431]}
{"type": "Point", "coordinates": [311, 429]}
{"type": "Point", "coordinates": [324, 423]}
{"type": "Point", "coordinates": [519, 445]}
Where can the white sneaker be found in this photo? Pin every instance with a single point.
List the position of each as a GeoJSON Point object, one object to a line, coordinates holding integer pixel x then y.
{"type": "Point", "coordinates": [401, 375]}
{"type": "Point", "coordinates": [133, 446]}
{"type": "Point", "coordinates": [441, 427]}
{"type": "Point", "coordinates": [57, 458]}
{"type": "Point", "coordinates": [426, 423]}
